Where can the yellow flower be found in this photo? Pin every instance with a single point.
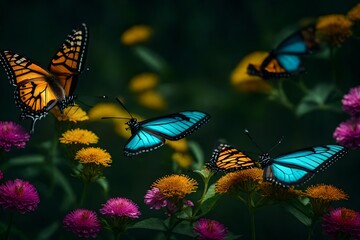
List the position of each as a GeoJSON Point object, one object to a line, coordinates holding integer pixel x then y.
{"type": "Point", "coordinates": [71, 113]}
{"type": "Point", "coordinates": [248, 83]}
{"type": "Point", "coordinates": [152, 100]}
{"type": "Point", "coordinates": [175, 186]}
{"type": "Point", "coordinates": [106, 110]}
{"type": "Point", "coordinates": [270, 190]}
{"type": "Point", "coordinates": [142, 82]}
{"type": "Point", "coordinates": [183, 159]}
{"type": "Point", "coordinates": [136, 34]}
{"type": "Point", "coordinates": [333, 29]}
{"type": "Point", "coordinates": [94, 155]}
{"type": "Point", "coordinates": [79, 136]}
{"type": "Point", "coordinates": [245, 180]}
{"type": "Point", "coordinates": [325, 192]}
{"type": "Point", "coordinates": [122, 129]}
{"type": "Point", "coordinates": [354, 13]}
{"type": "Point", "coordinates": [322, 195]}
{"type": "Point", "coordinates": [179, 145]}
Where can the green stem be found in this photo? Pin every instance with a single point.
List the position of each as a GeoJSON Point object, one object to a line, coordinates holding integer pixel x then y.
{"type": "Point", "coordinates": [282, 96]}
{"type": "Point", "coordinates": [252, 215]}
{"type": "Point", "coordinates": [7, 233]}
{"type": "Point", "coordinates": [172, 226]}
{"type": "Point", "coordinates": [84, 193]}
{"type": "Point", "coordinates": [310, 232]}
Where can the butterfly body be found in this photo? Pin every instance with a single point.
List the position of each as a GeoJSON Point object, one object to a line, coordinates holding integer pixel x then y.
{"type": "Point", "coordinates": [286, 59]}
{"type": "Point", "coordinates": [150, 134]}
{"type": "Point", "coordinates": [38, 90]}
{"type": "Point", "coordinates": [290, 169]}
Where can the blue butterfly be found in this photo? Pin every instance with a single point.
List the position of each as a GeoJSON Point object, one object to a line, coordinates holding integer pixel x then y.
{"type": "Point", "coordinates": [150, 134]}
{"type": "Point", "coordinates": [296, 168]}
{"type": "Point", "coordinates": [285, 60]}
{"type": "Point", "coordinates": [291, 169]}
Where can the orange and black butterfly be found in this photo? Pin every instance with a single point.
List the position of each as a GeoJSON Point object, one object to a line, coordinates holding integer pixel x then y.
{"type": "Point", "coordinates": [226, 158]}
{"type": "Point", "coordinates": [37, 90]}
{"type": "Point", "coordinates": [286, 59]}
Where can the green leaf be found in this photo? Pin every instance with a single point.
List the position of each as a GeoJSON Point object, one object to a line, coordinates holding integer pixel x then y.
{"type": "Point", "coordinates": [104, 184]}
{"type": "Point", "coordinates": [151, 223]}
{"type": "Point", "coordinates": [24, 161]}
{"type": "Point", "coordinates": [210, 192]}
{"type": "Point", "coordinates": [209, 204]}
{"type": "Point", "coordinates": [184, 228]}
{"type": "Point", "coordinates": [198, 153]}
{"type": "Point", "coordinates": [153, 60]}
{"type": "Point", "coordinates": [64, 183]}
{"type": "Point", "coordinates": [316, 99]}
{"type": "Point", "coordinates": [48, 232]}
{"type": "Point", "coordinates": [301, 209]}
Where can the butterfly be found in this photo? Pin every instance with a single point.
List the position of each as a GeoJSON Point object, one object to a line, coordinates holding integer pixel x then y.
{"type": "Point", "coordinates": [37, 90]}
{"type": "Point", "coordinates": [286, 59]}
{"type": "Point", "coordinates": [226, 158]}
{"type": "Point", "coordinates": [152, 133]}
{"type": "Point", "coordinates": [290, 169]}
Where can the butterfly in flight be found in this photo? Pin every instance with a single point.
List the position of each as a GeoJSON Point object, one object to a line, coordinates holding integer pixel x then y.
{"type": "Point", "coordinates": [150, 134]}
{"type": "Point", "coordinates": [37, 90]}
{"type": "Point", "coordinates": [286, 59]}
{"type": "Point", "coordinates": [290, 169]}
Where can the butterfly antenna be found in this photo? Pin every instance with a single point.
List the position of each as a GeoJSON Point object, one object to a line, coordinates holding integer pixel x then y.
{"type": "Point", "coordinates": [252, 140]}
{"type": "Point", "coordinates": [121, 103]}
{"type": "Point", "coordinates": [277, 144]}
{"type": "Point", "coordinates": [115, 118]}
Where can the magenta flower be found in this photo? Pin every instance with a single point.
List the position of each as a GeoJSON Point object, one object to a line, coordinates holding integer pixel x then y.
{"type": "Point", "coordinates": [347, 133]}
{"type": "Point", "coordinates": [155, 199]}
{"type": "Point", "coordinates": [82, 222]}
{"type": "Point", "coordinates": [120, 207]}
{"type": "Point", "coordinates": [19, 195]}
{"type": "Point", "coordinates": [210, 229]}
{"type": "Point", "coordinates": [351, 102]}
{"type": "Point", "coordinates": [342, 222]}
{"type": "Point", "coordinates": [12, 135]}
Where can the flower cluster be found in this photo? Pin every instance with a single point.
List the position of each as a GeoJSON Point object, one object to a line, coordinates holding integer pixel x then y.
{"type": "Point", "coordinates": [348, 132]}
{"type": "Point", "coordinates": [12, 135]}
{"type": "Point", "coordinates": [342, 223]}
{"type": "Point", "coordinates": [85, 223]}
{"type": "Point", "coordinates": [19, 195]}
{"type": "Point", "coordinates": [210, 229]}
{"type": "Point", "coordinates": [170, 192]}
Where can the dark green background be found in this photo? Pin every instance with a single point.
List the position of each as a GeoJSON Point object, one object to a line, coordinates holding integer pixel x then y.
{"type": "Point", "coordinates": [201, 43]}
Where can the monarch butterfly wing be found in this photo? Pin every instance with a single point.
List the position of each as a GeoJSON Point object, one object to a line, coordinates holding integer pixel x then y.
{"type": "Point", "coordinates": [298, 167]}
{"type": "Point", "coordinates": [69, 61]}
{"type": "Point", "coordinates": [175, 126]}
{"type": "Point", "coordinates": [142, 141]}
{"type": "Point", "coordinates": [277, 66]}
{"type": "Point", "coordinates": [36, 92]}
{"type": "Point", "coordinates": [226, 158]}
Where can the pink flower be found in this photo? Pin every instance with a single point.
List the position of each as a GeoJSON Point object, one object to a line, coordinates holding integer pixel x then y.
{"type": "Point", "coordinates": [120, 207]}
{"type": "Point", "coordinates": [342, 222]}
{"type": "Point", "coordinates": [12, 135]}
{"type": "Point", "coordinates": [82, 222]}
{"type": "Point", "coordinates": [210, 229]}
{"type": "Point", "coordinates": [19, 195]}
{"type": "Point", "coordinates": [347, 133]}
{"type": "Point", "coordinates": [155, 199]}
{"type": "Point", "coordinates": [351, 102]}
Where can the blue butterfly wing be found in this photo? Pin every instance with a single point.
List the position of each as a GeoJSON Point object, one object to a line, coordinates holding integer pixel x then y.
{"type": "Point", "coordinates": [176, 126]}
{"type": "Point", "coordinates": [294, 44]}
{"type": "Point", "coordinates": [291, 63]}
{"type": "Point", "coordinates": [153, 132]}
{"type": "Point", "coordinates": [142, 141]}
{"type": "Point", "coordinates": [298, 167]}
